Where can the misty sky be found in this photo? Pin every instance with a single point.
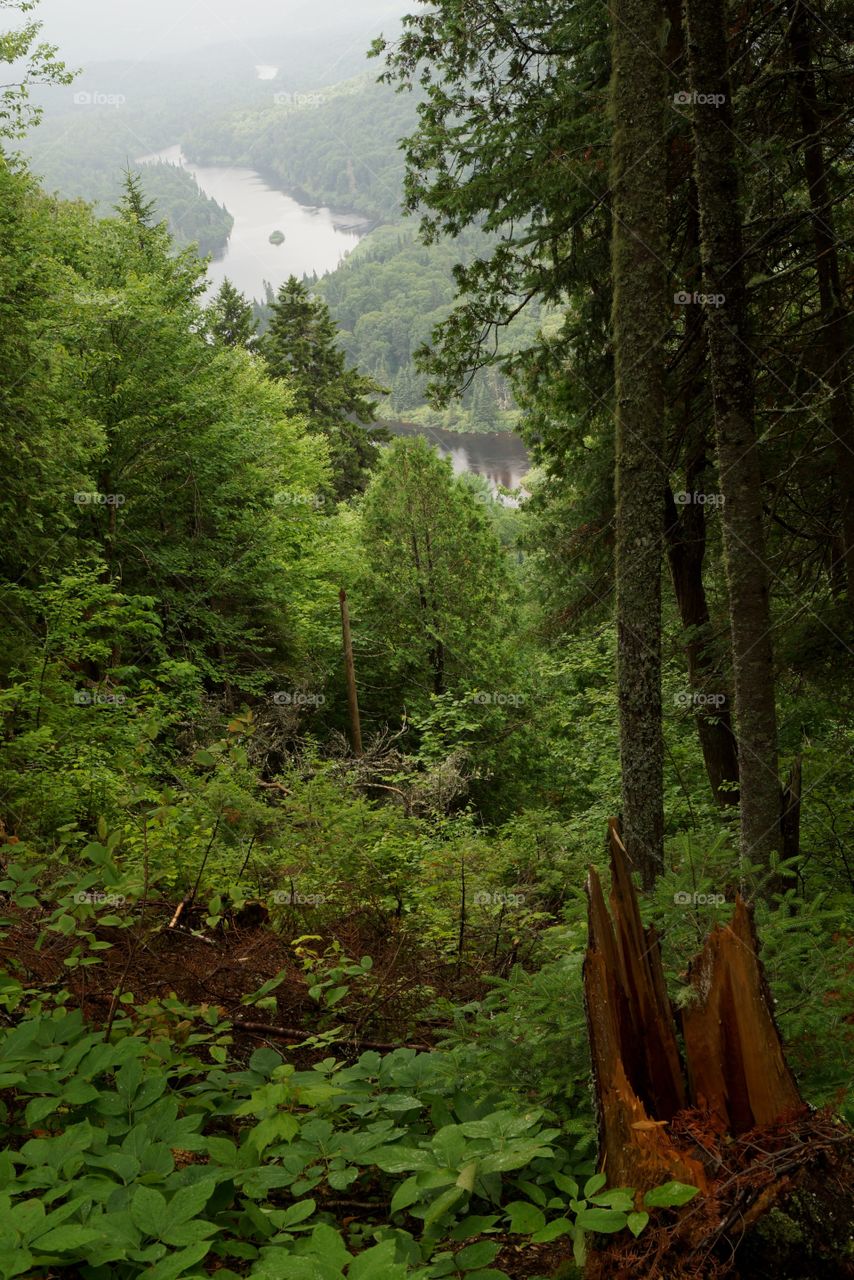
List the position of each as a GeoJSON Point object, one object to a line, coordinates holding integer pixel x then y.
{"type": "Point", "coordinates": [90, 30]}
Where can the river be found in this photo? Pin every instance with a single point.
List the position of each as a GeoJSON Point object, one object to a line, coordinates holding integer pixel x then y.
{"type": "Point", "coordinates": [499, 456]}
{"type": "Point", "coordinates": [315, 239]}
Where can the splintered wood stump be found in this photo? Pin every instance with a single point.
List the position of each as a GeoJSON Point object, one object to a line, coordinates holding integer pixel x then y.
{"type": "Point", "coordinates": [636, 1067]}
{"type": "Point", "coordinates": [736, 1068]}
{"type": "Point", "coordinates": [730, 1120]}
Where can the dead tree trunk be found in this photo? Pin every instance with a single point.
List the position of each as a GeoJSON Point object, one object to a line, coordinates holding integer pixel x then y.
{"type": "Point", "coordinates": [730, 1120]}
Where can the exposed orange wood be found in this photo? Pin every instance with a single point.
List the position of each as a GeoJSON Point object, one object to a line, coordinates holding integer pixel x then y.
{"type": "Point", "coordinates": [736, 1067]}
{"type": "Point", "coordinates": [736, 1071]}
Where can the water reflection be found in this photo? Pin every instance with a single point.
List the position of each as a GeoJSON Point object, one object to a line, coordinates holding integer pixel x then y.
{"type": "Point", "coordinates": [501, 457]}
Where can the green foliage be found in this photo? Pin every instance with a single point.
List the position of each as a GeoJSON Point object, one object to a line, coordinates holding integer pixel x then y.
{"type": "Point", "coordinates": [435, 582]}
{"type": "Point", "coordinates": [388, 296]}
{"type": "Point", "coordinates": [34, 61]}
{"type": "Point", "coordinates": [99, 1185]}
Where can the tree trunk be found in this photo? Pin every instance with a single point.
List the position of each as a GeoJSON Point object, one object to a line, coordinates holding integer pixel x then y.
{"type": "Point", "coordinates": [834, 315]}
{"type": "Point", "coordinates": [686, 546]}
{"type": "Point", "coordinates": [639, 321]}
{"type": "Point", "coordinates": [350, 672]}
{"type": "Point", "coordinates": [732, 362]}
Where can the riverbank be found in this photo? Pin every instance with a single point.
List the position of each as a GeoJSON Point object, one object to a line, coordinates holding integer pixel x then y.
{"type": "Point", "coordinates": [453, 419]}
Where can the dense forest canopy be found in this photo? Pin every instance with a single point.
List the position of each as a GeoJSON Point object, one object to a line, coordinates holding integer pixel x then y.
{"type": "Point", "coordinates": [317, 753]}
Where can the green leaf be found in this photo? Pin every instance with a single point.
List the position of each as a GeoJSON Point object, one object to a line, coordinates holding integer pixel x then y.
{"type": "Point", "coordinates": [442, 1205]}
{"type": "Point", "coordinates": [474, 1225]}
{"type": "Point", "coordinates": [607, 1220]}
{"type": "Point", "coordinates": [327, 1242]}
{"type": "Point", "coordinates": [476, 1255]}
{"type": "Point", "coordinates": [525, 1217]}
{"type": "Point", "coordinates": [177, 1263]}
{"type": "Point", "coordinates": [563, 1183]}
{"type": "Point", "coordinates": [149, 1212]}
{"type": "Point", "coordinates": [670, 1195]}
{"type": "Point", "coordinates": [62, 1239]}
{"type": "Point", "coordinates": [38, 1108]}
{"type": "Point", "coordinates": [189, 1201]}
{"type": "Point", "coordinates": [405, 1195]}
{"type": "Point", "coordinates": [594, 1184]}
{"type": "Point", "coordinates": [377, 1264]}
{"type": "Point", "coordinates": [402, 1160]}
{"type": "Point", "coordinates": [296, 1213]}
{"type": "Point", "coordinates": [187, 1233]}
{"type": "Point", "coordinates": [617, 1198]}
{"type": "Point", "coordinates": [636, 1222]}
{"type": "Point", "coordinates": [552, 1231]}
{"type": "Point", "coordinates": [265, 1061]}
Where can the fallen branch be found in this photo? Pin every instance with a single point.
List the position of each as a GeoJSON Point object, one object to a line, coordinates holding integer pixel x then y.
{"type": "Point", "coordinates": [297, 1033]}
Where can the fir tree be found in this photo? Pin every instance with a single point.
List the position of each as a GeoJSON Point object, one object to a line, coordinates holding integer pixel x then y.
{"type": "Point", "coordinates": [231, 320]}
{"type": "Point", "coordinates": [301, 347]}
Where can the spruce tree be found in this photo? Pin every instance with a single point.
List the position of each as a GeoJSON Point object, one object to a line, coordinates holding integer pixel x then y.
{"type": "Point", "coordinates": [301, 348]}
{"type": "Point", "coordinates": [230, 318]}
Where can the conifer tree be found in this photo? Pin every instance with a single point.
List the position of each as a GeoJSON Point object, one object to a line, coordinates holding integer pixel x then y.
{"type": "Point", "coordinates": [230, 318]}
{"type": "Point", "coordinates": [301, 348]}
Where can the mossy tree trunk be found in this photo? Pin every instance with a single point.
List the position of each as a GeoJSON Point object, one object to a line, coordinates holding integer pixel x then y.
{"type": "Point", "coordinates": [639, 195]}
{"type": "Point", "coordinates": [740, 479]}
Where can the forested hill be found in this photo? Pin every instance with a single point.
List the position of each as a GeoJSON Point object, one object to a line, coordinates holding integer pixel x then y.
{"type": "Point", "coordinates": [333, 145]}
{"type": "Point", "coordinates": [388, 297]}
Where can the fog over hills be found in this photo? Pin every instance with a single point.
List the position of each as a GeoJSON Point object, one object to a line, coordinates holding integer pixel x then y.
{"type": "Point", "coordinates": [94, 30]}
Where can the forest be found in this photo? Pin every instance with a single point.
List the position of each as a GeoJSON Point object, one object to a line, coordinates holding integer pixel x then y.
{"type": "Point", "coordinates": [396, 883]}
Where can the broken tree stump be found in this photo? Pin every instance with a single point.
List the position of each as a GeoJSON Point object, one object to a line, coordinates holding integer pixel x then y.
{"type": "Point", "coordinates": [729, 1119]}
{"type": "Point", "coordinates": [734, 1058]}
